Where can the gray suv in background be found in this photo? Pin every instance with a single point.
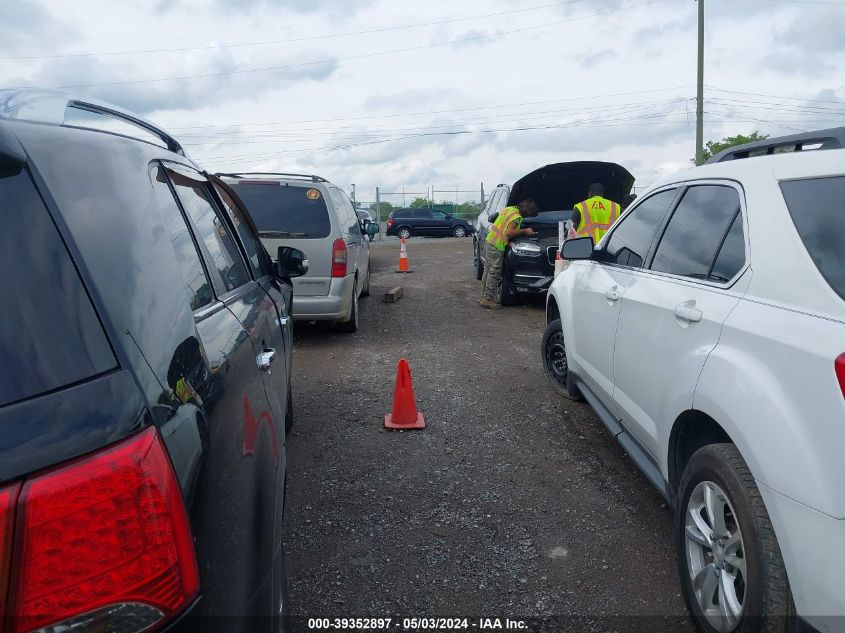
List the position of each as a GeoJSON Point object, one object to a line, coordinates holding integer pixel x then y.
{"type": "Point", "coordinates": [317, 217]}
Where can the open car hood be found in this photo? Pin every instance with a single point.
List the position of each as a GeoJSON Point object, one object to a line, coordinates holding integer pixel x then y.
{"type": "Point", "coordinates": [561, 186]}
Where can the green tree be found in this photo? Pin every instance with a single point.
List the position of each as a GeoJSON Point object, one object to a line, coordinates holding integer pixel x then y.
{"type": "Point", "coordinates": [419, 203]}
{"type": "Point", "coordinates": [468, 209]}
{"type": "Point", "coordinates": [711, 148]}
{"type": "Point", "coordinates": [386, 209]}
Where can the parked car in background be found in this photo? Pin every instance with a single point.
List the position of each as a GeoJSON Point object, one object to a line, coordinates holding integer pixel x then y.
{"type": "Point", "coordinates": [423, 222]}
{"type": "Point", "coordinates": [707, 330]}
{"type": "Point", "coordinates": [314, 215]}
{"type": "Point", "coordinates": [529, 262]}
{"type": "Point", "coordinates": [142, 457]}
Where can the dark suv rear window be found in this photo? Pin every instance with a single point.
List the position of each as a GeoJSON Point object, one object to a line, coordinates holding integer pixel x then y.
{"type": "Point", "coordinates": [50, 336]}
{"type": "Point", "coordinates": [285, 210]}
{"type": "Point", "coordinates": [817, 207]}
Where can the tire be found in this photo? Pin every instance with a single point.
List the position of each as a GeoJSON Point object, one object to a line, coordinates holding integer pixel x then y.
{"type": "Point", "coordinates": [507, 296]}
{"type": "Point", "coordinates": [459, 231]}
{"type": "Point", "coordinates": [351, 326]}
{"type": "Point", "coordinates": [553, 357]}
{"type": "Point", "coordinates": [404, 233]}
{"type": "Point", "coordinates": [745, 570]}
{"type": "Point", "coordinates": [365, 291]}
{"type": "Point", "coordinates": [289, 412]}
{"type": "Point", "coordinates": [477, 263]}
{"type": "Point", "coordinates": [282, 618]}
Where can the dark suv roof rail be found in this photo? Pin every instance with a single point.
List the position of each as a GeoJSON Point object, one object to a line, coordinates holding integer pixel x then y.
{"type": "Point", "coordinates": [240, 174]}
{"type": "Point", "coordinates": [49, 106]}
{"type": "Point", "coordinates": [833, 138]}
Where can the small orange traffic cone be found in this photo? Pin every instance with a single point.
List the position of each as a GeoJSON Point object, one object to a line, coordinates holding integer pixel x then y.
{"type": "Point", "coordinates": [403, 259]}
{"type": "Point", "coordinates": [404, 414]}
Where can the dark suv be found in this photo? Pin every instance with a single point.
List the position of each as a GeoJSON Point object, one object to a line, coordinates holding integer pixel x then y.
{"type": "Point", "coordinates": [145, 350]}
{"type": "Point", "coordinates": [557, 188]}
{"type": "Point", "coordinates": [426, 222]}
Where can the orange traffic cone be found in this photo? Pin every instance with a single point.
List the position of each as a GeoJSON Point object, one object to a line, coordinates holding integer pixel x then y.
{"type": "Point", "coordinates": [404, 414]}
{"type": "Point", "coordinates": [403, 259]}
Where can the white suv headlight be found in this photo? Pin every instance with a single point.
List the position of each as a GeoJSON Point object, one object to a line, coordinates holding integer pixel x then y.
{"type": "Point", "coordinates": [525, 248]}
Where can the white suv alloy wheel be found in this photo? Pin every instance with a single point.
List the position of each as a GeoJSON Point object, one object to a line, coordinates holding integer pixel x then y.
{"type": "Point", "coordinates": [715, 556]}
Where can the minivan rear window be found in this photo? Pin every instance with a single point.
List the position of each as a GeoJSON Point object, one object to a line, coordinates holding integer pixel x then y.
{"type": "Point", "coordinates": [817, 207]}
{"type": "Point", "coordinates": [50, 336]}
{"type": "Point", "coordinates": [285, 211]}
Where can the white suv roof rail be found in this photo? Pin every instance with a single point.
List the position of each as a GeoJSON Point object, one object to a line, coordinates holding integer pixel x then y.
{"type": "Point", "coordinates": [310, 177]}
{"type": "Point", "coordinates": [50, 106]}
{"type": "Point", "coordinates": [833, 138]}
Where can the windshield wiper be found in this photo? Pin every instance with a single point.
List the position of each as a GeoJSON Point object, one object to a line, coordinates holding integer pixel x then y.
{"type": "Point", "coordinates": [281, 234]}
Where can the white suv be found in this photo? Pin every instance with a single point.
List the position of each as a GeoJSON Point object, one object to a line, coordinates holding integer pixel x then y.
{"type": "Point", "coordinates": [707, 330]}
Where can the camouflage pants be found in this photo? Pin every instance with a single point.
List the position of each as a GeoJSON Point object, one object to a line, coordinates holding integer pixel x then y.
{"type": "Point", "coordinates": [495, 260]}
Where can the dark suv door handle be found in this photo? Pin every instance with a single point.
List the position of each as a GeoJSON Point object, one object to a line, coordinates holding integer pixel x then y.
{"type": "Point", "coordinates": [265, 359]}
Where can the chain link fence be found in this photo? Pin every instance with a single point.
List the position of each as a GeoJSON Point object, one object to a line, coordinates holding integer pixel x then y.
{"type": "Point", "coordinates": [460, 202]}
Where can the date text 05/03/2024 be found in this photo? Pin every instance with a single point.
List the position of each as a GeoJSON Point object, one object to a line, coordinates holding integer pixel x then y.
{"type": "Point", "coordinates": [416, 624]}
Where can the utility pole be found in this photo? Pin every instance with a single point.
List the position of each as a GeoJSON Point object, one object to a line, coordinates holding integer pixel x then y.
{"type": "Point", "coordinates": [378, 213]}
{"type": "Point", "coordinates": [354, 203]}
{"type": "Point", "coordinates": [699, 102]}
{"type": "Point", "coordinates": [482, 196]}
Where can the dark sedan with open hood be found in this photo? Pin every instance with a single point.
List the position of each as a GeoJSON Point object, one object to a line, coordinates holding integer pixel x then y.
{"type": "Point", "coordinates": [556, 188]}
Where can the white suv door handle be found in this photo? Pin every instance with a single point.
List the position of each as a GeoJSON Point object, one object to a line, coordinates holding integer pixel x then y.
{"type": "Point", "coordinates": [688, 312]}
{"type": "Point", "coordinates": [612, 294]}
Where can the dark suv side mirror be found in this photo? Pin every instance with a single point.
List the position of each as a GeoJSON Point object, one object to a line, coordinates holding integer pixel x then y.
{"type": "Point", "coordinates": [578, 248]}
{"type": "Point", "coordinates": [290, 262]}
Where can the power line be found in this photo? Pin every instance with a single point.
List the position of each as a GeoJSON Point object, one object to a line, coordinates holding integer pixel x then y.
{"type": "Point", "coordinates": [771, 96]}
{"type": "Point", "coordinates": [353, 57]}
{"type": "Point", "coordinates": [455, 133]}
{"type": "Point", "coordinates": [449, 111]}
{"type": "Point", "coordinates": [292, 40]}
{"type": "Point", "coordinates": [287, 134]}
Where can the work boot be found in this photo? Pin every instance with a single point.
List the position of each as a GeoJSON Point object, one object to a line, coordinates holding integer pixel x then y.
{"type": "Point", "coordinates": [489, 303]}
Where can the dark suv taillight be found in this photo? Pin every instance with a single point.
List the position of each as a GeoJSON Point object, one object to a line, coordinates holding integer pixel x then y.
{"type": "Point", "coordinates": [102, 543]}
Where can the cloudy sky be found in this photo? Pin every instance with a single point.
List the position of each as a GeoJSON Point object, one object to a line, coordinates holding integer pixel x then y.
{"type": "Point", "coordinates": [442, 93]}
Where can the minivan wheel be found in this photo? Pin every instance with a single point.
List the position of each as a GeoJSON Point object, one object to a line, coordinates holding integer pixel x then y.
{"type": "Point", "coordinates": [404, 233]}
{"type": "Point", "coordinates": [732, 571]}
{"type": "Point", "coordinates": [351, 326]}
{"type": "Point", "coordinates": [365, 291]}
{"type": "Point", "coordinates": [289, 411]}
{"type": "Point", "coordinates": [553, 355]}
{"type": "Point", "coordinates": [479, 265]}
{"type": "Point", "coordinates": [459, 231]}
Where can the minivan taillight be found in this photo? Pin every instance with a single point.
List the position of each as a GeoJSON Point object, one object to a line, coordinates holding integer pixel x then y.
{"type": "Point", "coordinates": [839, 368]}
{"type": "Point", "coordinates": [339, 258]}
{"type": "Point", "coordinates": [102, 540]}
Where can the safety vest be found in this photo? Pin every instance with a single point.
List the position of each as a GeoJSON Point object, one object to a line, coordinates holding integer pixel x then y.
{"type": "Point", "coordinates": [597, 216]}
{"type": "Point", "coordinates": [497, 236]}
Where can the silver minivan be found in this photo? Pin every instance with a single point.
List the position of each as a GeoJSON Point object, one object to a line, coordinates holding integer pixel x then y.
{"type": "Point", "coordinates": [317, 217]}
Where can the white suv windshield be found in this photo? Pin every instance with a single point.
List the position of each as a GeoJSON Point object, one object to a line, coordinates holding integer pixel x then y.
{"type": "Point", "coordinates": [816, 206]}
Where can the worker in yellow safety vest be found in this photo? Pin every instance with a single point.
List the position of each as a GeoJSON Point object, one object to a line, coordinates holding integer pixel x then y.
{"type": "Point", "coordinates": [507, 226]}
{"type": "Point", "coordinates": [594, 216]}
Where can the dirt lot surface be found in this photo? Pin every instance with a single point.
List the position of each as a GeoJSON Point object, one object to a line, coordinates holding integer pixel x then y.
{"type": "Point", "coordinates": [513, 502]}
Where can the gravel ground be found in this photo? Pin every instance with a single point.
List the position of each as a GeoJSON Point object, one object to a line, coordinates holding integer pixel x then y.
{"type": "Point", "coordinates": [513, 502]}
